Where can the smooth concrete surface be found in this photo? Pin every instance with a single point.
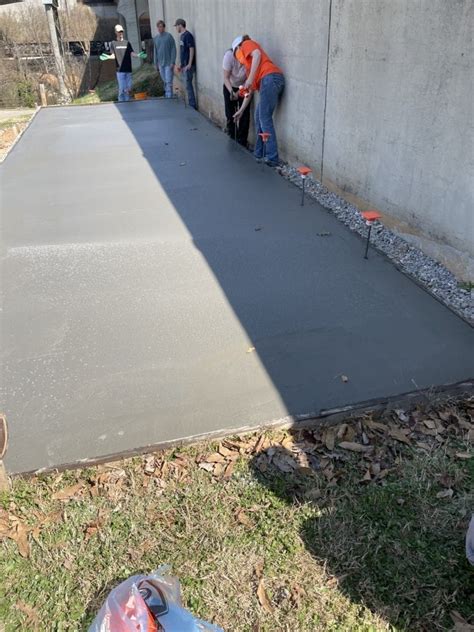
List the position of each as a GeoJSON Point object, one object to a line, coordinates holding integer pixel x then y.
{"type": "Point", "coordinates": [158, 284]}
{"type": "Point", "coordinates": [397, 126]}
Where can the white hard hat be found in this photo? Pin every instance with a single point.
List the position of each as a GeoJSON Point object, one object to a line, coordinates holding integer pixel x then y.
{"type": "Point", "coordinates": [118, 27]}
{"type": "Point", "coordinates": [236, 42]}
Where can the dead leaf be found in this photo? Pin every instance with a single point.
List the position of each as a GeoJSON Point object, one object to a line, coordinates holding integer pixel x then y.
{"type": "Point", "coordinates": [399, 435]}
{"type": "Point", "coordinates": [229, 470]}
{"type": "Point", "coordinates": [464, 455]}
{"type": "Point", "coordinates": [209, 467]}
{"type": "Point", "coordinates": [284, 463]}
{"type": "Point", "coordinates": [19, 533]}
{"type": "Point", "coordinates": [150, 465]}
{"type": "Point", "coordinates": [460, 624]}
{"type": "Point", "coordinates": [297, 593]}
{"type": "Point", "coordinates": [244, 519]}
{"type": "Point", "coordinates": [263, 598]}
{"type": "Point", "coordinates": [259, 444]}
{"type": "Point", "coordinates": [423, 445]}
{"type": "Point", "coordinates": [33, 620]}
{"type": "Point", "coordinates": [215, 458]}
{"type": "Point", "coordinates": [330, 438]}
{"type": "Point", "coordinates": [219, 469]}
{"type": "Point", "coordinates": [68, 492]}
{"type": "Point", "coordinates": [444, 416]}
{"type": "Point", "coordinates": [355, 447]}
{"type": "Point", "coordinates": [367, 476]}
{"type": "Point", "coordinates": [429, 423]}
{"type": "Point", "coordinates": [259, 568]}
{"type": "Point", "coordinates": [225, 451]}
{"type": "Point", "coordinates": [445, 493]}
{"type": "Point", "coordinates": [402, 415]}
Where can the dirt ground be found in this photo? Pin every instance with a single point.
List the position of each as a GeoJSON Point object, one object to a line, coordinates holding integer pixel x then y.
{"type": "Point", "coordinates": [12, 124]}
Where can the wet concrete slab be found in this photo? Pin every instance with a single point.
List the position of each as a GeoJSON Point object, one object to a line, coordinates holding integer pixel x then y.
{"type": "Point", "coordinates": [158, 284]}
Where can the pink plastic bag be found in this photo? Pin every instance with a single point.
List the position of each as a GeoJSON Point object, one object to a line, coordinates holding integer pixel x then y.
{"type": "Point", "coordinates": [148, 603]}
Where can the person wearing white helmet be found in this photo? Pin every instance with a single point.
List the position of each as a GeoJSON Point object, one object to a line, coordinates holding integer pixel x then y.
{"type": "Point", "coordinates": [234, 77]}
{"type": "Point", "coordinates": [266, 78]}
{"type": "Point", "coordinates": [121, 50]}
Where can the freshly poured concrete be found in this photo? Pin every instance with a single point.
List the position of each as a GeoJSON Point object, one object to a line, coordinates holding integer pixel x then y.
{"type": "Point", "coordinates": [135, 286]}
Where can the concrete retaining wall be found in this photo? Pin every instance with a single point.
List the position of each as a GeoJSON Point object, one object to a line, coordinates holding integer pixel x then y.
{"type": "Point", "coordinates": [387, 119]}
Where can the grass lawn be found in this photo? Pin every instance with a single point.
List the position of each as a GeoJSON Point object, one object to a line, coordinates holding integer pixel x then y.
{"type": "Point", "coordinates": [358, 527]}
{"type": "Point", "coordinates": [144, 79]}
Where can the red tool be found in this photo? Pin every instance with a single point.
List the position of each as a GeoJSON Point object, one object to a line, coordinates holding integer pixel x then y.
{"type": "Point", "coordinates": [244, 92]}
{"type": "Point", "coordinates": [370, 217]}
{"type": "Point", "coordinates": [303, 171]}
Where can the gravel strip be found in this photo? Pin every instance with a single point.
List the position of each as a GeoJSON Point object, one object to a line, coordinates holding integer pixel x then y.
{"type": "Point", "coordinates": [431, 274]}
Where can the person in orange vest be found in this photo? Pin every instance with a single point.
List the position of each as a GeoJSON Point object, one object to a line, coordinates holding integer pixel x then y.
{"type": "Point", "coordinates": [266, 78]}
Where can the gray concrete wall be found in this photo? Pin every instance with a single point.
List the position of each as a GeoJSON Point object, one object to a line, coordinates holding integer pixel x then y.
{"type": "Point", "coordinates": [393, 129]}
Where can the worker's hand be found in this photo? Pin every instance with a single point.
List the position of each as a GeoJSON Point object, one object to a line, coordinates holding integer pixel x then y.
{"type": "Point", "coordinates": [234, 96]}
{"type": "Point", "coordinates": [104, 57]}
{"type": "Point", "coordinates": [142, 55]}
{"type": "Point", "coordinates": [237, 116]}
{"type": "Point", "coordinates": [178, 69]}
{"type": "Point", "coordinates": [248, 84]}
{"type": "Point", "coordinates": [188, 67]}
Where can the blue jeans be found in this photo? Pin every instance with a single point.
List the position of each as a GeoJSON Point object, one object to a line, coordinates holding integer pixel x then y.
{"type": "Point", "coordinates": [124, 85]}
{"type": "Point", "coordinates": [188, 79]}
{"type": "Point", "coordinates": [166, 74]}
{"type": "Point", "coordinates": [271, 88]}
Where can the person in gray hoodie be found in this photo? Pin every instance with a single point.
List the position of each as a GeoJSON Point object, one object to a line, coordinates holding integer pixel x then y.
{"type": "Point", "coordinates": [165, 56]}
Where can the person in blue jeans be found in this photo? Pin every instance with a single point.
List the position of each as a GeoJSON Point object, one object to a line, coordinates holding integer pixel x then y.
{"type": "Point", "coordinates": [121, 50]}
{"type": "Point", "coordinates": [187, 58]}
{"type": "Point", "coordinates": [266, 78]}
{"type": "Point", "coordinates": [165, 57]}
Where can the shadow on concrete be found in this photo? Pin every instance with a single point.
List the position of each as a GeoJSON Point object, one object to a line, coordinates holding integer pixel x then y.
{"type": "Point", "coordinates": [383, 545]}
{"type": "Point", "coordinates": [295, 278]}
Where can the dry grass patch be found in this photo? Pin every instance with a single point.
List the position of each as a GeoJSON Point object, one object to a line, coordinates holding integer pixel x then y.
{"type": "Point", "coordinates": [357, 527]}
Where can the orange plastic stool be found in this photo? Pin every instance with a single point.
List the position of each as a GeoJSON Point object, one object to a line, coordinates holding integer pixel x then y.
{"type": "Point", "coordinates": [303, 171]}
{"type": "Point", "coordinates": [370, 217]}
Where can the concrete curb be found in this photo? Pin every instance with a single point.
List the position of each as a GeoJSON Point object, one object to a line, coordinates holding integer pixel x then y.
{"type": "Point", "coordinates": [310, 420]}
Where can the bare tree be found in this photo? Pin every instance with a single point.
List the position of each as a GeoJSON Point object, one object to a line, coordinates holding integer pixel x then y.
{"type": "Point", "coordinates": [26, 45]}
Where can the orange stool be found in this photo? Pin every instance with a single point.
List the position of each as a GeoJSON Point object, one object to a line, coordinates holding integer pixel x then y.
{"type": "Point", "coordinates": [303, 171]}
{"type": "Point", "coordinates": [370, 217]}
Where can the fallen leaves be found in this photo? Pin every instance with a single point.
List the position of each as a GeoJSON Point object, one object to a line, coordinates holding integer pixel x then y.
{"type": "Point", "coordinates": [399, 435]}
{"type": "Point", "coordinates": [263, 597]}
{"type": "Point", "coordinates": [355, 447]}
{"type": "Point", "coordinates": [445, 493]}
{"type": "Point", "coordinates": [13, 528]}
{"type": "Point", "coordinates": [243, 518]}
{"type": "Point", "coordinates": [464, 455]}
{"type": "Point", "coordinates": [69, 492]}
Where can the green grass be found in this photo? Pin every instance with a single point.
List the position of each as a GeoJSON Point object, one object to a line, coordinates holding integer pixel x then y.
{"type": "Point", "coordinates": [144, 79]}
{"type": "Point", "coordinates": [16, 119]}
{"type": "Point", "coordinates": [338, 554]}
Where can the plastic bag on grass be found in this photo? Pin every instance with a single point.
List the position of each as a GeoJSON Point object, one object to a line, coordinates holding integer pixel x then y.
{"type": "Point", "coordinates": [148, 603]}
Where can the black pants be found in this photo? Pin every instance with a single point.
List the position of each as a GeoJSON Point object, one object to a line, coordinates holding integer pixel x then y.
{"type": "Point", "coordinates": [231, 108]}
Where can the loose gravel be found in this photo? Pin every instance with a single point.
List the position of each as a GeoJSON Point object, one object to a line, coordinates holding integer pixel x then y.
{"type": "Point", "coordinates": [431, 274]}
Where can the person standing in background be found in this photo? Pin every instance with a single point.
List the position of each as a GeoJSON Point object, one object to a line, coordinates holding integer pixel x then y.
{"type": "Point", "coordinates": [165, 57]}
{"type": "Point", "coordinates": [121, 50]}
{"type": "Point", "coordinates": [187, 59]}
{"type": "Point", "coordinates": [262, 75]}
{"type": "Point", "coordinates": [234, 77]}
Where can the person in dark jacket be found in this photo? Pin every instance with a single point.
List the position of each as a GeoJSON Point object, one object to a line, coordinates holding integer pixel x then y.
{"type": "Point", "coordinates": [187, 59]}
